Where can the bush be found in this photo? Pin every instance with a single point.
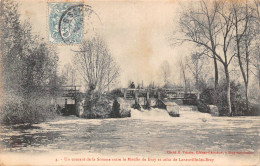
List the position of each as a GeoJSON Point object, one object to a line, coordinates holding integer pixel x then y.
{"type": "Point", "coordinates": [125, 113]}
{"type": "Point", "coordinates": [202, 107]}
{"type": "Point", "coordinates": [115, 113]}
{"type": "Point", "coordinates": [104, 107]}
{"type": "Point", "coordinates": [254, 109]}
{"type": "Point", "coordinates": [80, 97]}
{"type": "Point", "coordinates": [25, 112]}
{"type": "Point", "coordinates": [208, 96]}
{"type": "Point", "coordinates": [218, 97]}
{"type": "Point", "coordinates": [97, 108]}
{"type": "Point", "coordinates": [115, 93]}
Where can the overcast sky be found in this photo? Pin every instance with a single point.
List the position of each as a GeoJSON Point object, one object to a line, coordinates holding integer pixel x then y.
{"type": "Point", "coordinates": [137, 34]}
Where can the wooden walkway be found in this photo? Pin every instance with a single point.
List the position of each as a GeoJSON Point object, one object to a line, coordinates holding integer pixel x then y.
{"type": "Point", "coordinates": [131, 94]}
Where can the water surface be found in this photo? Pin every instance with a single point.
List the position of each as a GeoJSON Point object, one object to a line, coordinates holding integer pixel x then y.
{"type": "Point", "coordinates": [147, 132]}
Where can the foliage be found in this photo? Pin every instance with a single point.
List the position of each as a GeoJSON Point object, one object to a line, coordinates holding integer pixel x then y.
{"type": "Point", "coordinates": [202, 107]}
{"type": "Point", "coordinates": [202, 84]}
{"type": "Point", "coordinates": [254, 109]}
{"type": "Point", "coordinates": [218, 97]}
{"type": "Point", "coordinates": [101, 108]}
{"type": "Point", "coordinates": [80, 97]}
{"type": "Point", "coordinates": [26, 112]}
{"type": "Point", "coordinates": [27, 62]}
{"type": "Point", "coordinates": [28, 68]}
{"type": "Point", "coordinates": [208, 96]}
{"type": "Point", "coordinates": [115, 113]}
{"type": "Point", "coordinates": [96, 106]}
{"type": "Point", "coordinates": [115, 93]}
{"type": "Point", "coordinates": [98, 109]}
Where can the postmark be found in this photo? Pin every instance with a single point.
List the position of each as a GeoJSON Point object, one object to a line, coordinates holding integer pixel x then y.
{"type": "Point", "coordinates": [70, 21]}
{"type": "Point", "coordinates": [65, 22]}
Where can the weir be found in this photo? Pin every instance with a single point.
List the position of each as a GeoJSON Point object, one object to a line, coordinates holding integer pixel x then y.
{"type": "Point", "coordinates": [166, 99]}
{"type": "Point", "coordinates": [185, 112]}
{"type": "Point", "coordinates": [154, 113]}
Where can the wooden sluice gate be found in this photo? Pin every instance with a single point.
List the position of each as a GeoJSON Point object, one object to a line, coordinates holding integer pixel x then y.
{"type": "Point", "coordinates": [162, 98]}
{"type": "Point", "coordinates": [68, 100]}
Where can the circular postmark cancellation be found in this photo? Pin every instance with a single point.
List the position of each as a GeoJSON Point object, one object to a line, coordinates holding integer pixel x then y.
{"type": "Point", "coordinates": [71, 23]}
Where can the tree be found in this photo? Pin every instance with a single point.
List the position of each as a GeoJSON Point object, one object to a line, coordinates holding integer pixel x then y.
{"type": "Point", "coordinates": [115, 113]}
{"type": "Point", "coordinates": [96, 65]}
{"type": "Point", "coordinates": [28, 64]}
{"type": "Point", "coordinates": [201, 27]}
{"type": "Point", "coordinates": [216, 40]}
{"type": "Point", "coordinates": [70, 74]}
{"type": "Point", "coordinates": [195, 66]}
{"type": "Point", "coordinates": [165, 71]}
{"type": "Point", "coordinates": [10, 34]}
{"type": "Point", "coordinates": [256, 52]}
{"type": "Point", "coordinates": [245, 34]}
{"type": "Point", "coordinates": [28, 69]}
{"type": "Point", "coordinates": [183, 71]}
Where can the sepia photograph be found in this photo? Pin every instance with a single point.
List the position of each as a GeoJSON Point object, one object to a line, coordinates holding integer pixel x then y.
{"type": "Point", "coordinates": [130, 82]}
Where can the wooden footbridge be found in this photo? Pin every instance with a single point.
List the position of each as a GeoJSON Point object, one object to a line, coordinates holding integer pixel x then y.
{"type": "Point", "coordinates": [130, 93]}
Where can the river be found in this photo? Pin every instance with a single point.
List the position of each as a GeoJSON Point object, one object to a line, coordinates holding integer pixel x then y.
{"type": "Point", "coordinates": [149, 132]}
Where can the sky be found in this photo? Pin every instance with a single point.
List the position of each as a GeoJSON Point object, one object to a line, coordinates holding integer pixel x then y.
{"type": "Point", "coordinates": [136, 32]}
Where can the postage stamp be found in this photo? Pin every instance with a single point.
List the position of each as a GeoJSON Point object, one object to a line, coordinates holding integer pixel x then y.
{"type": "Point", "coordinates": [65, 21]}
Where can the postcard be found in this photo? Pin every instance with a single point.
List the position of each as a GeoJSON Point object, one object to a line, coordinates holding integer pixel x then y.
{"type": "Point", "coordinates": [140, 82]}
